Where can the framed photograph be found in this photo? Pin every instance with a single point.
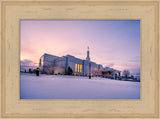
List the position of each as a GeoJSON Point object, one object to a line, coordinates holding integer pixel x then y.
{"type": "Point", "coordinates": [65, 73]}
{"type": "Point", "coordinates": [80, 59]}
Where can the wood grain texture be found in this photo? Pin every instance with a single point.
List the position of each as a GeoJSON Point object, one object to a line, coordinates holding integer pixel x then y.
{"type": "Point", "coordinates": [14, 11]}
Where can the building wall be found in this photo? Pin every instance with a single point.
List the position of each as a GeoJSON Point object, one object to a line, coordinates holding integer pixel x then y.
{"type": "Point", "coordinates": [59, 65]}
{"type": "Point", "coordinates": [86, 68]}
{"type": "Point", "coordinates": [75, 64]}
{"type": "Point", "coordinates": [94, 69]}
{"type": "Point", "coordinates": [46, 63]}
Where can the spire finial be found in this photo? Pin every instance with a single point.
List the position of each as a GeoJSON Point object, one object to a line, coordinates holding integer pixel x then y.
{"type": "Point", "coordinates": [88, 58]}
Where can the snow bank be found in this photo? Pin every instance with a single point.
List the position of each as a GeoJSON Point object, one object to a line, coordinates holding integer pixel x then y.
{"type": "Point", "coordinates": [76, 87]}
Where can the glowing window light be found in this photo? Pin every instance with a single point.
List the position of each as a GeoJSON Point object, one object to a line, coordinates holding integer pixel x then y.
{"type": "Point", "coordinates": [75, 67]}
{"type": "Point", "coordinates": [78, 67]}
{"type": "Point", "coordinates": [81, 68]}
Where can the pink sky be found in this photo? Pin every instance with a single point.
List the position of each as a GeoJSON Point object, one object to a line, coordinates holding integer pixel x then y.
{"type": "Point", "coordinates": [114, 43]}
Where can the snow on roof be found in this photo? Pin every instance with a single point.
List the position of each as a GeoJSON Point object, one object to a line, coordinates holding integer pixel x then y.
{"type": "Point", "coordinates": [68, 55]}
{"type": "Point", "coordinates": [50, 55]}
{"type": "Point", "coordinates": [110, 69]}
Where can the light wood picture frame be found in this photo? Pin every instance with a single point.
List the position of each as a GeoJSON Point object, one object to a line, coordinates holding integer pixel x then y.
{"type": "Point", "coordinates": [12, 11]}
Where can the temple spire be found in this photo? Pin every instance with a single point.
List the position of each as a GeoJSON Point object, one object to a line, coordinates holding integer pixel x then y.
{"type": "Point", "coordinates": [88, 58]}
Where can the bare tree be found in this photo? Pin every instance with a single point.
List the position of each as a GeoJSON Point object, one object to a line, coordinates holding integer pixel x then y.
{"type": "Point", "coordinates": [126, 73]}
{"type": "Point", "coordinates": [49, 67]}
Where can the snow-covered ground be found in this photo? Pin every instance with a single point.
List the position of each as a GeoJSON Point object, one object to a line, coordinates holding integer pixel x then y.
{"type": "Point", "coordinates": [76, 87]}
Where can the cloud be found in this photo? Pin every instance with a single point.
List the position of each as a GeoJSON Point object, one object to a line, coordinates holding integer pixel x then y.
{"type": "Point", "coordinates": [135, 59]}
{"type": "Point", "coordinates": [26, 64]}
{"type": "Point", "coordinates": [110, 65]}
{"type": "Point", "coordinates": [73, 52]}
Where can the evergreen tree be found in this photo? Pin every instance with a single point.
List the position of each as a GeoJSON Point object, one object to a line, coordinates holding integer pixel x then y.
{"type": "Point", "coordinates": [70, 71]}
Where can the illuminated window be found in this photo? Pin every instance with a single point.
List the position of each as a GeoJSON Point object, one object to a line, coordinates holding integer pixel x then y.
{"type": "Point", "coordinates": [75, 67]}
{"type": "Point", "coordinates": [81, 68]}
{"type": "Point", "coordinates": [78, 67]}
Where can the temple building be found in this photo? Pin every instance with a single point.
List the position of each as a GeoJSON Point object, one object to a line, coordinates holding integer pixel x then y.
{"type": "Point", "coordinates": [50, 64]}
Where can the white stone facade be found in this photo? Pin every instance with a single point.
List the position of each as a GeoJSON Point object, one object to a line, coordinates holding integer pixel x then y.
{"type": "Point", "coordinates": [51, 64]}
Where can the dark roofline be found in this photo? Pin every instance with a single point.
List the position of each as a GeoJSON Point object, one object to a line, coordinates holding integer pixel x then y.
{"type": "Point", "coordinates": [73, 56]}
{"type": "Point", "coordinates": [50, 54]}
{"type": "Point", "coordinates": [79, 59]}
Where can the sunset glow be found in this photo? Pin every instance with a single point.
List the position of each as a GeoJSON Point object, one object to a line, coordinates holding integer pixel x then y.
{"type": "Point", "coordinates": [112, 43]}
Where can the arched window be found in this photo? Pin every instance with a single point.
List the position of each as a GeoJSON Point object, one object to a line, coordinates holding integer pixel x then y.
{"type": "Point", "coordinates": [75, 67]}
{"type": "Point", "coordinates": [78, 67]}
{"type": "Point", "coordinates": [81, 68]}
